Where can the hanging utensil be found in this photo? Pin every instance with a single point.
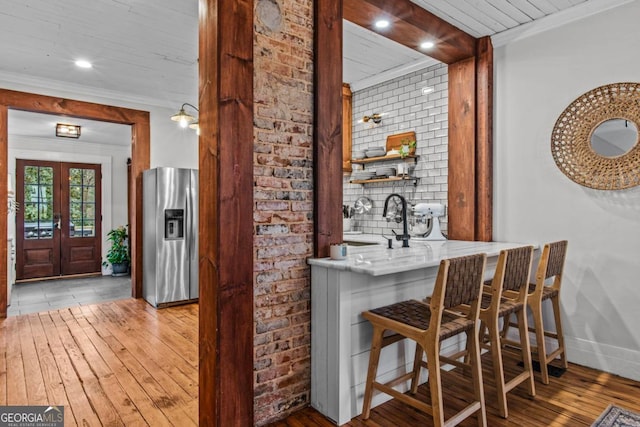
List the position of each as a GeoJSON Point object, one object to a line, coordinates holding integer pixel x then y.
{"type": "Point", "coordinates": [363, 205]}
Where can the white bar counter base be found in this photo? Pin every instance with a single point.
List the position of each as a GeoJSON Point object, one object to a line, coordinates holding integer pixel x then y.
{"type": "Point", "coordinates": [371, 276]}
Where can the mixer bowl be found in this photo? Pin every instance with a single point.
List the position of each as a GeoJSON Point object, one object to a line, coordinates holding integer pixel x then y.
{"type": "Point", "coordinates": [420, 226]}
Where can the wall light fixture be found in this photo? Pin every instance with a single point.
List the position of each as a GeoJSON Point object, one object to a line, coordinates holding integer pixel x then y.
{"type": "Point", "coordinates": [67, 131]}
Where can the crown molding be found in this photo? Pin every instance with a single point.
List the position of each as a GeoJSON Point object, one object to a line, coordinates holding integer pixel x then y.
{"type": "Point", "coordinates": [575, 13]}
{"type": "Point", "coordinates": [393, 73]}
{"type": "Point", "coordinates": [52, 87]}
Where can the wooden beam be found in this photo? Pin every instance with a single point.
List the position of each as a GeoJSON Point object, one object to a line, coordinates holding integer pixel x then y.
{"type": "Point", "coordinates": [327, 147]}
{"type": "Point", "coordinates": [484, 141]}
{"type": "Point", "coordinates": [411, 25]}
{"type": "Point", "coordinates": [4, 150]}
{"type": "Point", "coordinates": [140, 156]}
{"type": "Point", "coordinates": [140, 161]}
{"type": "Point", "coordinates": [462, 149]}
{"type": "Point", "coordinates": [226, 213]}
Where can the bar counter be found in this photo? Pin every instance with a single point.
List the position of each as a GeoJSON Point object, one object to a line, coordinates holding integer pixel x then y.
{"type": "Point", "coordinates": [371, 276]}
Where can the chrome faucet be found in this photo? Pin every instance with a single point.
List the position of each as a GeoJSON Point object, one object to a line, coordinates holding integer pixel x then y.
{"type": "Point", "coordinates": [405, 232]}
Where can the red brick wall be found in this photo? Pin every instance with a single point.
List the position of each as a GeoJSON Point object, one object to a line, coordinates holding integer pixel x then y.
{"type": "Point", "coordinates": [283, 94]}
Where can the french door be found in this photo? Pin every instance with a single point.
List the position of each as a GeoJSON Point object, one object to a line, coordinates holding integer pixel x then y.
{"type": "Point", "coordinates": [58, 220]}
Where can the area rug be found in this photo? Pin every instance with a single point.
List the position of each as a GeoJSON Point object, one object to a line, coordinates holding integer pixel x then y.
{"type": "Point", "coordinates": [615, 416]}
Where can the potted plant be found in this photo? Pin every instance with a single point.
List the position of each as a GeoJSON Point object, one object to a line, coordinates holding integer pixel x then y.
{"type": "Point", "coordinates": [118, 253]}
{"type": "Point", "coordinates": [408, 147]}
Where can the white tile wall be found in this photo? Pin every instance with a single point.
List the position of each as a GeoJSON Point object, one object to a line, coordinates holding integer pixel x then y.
{"type": "Point", "coordinates": [405, 108]}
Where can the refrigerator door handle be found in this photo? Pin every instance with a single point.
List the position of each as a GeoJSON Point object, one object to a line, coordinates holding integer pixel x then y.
{"type": "Point", "coordinates": [190, 215]}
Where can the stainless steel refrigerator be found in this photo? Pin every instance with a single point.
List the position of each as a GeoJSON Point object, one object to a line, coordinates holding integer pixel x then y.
{"type": "Point", "coordinates": [170, 236]}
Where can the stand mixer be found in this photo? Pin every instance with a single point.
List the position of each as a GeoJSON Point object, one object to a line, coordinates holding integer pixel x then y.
{"type": "Point", "coordinates": [425, 222]}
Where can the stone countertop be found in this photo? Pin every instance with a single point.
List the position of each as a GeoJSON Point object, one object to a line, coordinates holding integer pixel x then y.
{"type": "Point", "coordinates": [378, 260]}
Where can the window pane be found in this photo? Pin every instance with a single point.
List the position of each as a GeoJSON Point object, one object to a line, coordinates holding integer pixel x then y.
{"type": "Point", "coordinates": [89, 177]}
{"type": "Point", "coordinates": [45, 193]}
{"type": "Point", "coordinates": [30, 212]}
{"type": "Point", "coordinates": [75, 193]}
{"type": "Point", "coordinates": [75, 176]}
{"type": "Point", "coordinates": [31, 175]}
{"type": "Point", "coordinates": [88, 229]}
{"type": "Point", "coordinates": [46, 175]}
{"type": "Point", "coordinates": [89, 211]}
{"type": "Point", "coordinates": [30, 193]}
{"type": "Point", "coordinates": [46, 211]}
{"type": "Point", "coordinates": [75, 210]}
{"type": "Point", "coordinates": [89, 194]}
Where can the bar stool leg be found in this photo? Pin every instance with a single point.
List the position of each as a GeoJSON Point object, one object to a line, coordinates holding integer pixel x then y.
{"type": "Point", "coordinates": [525, 348]}
{"type": "Point", "coordinates": [476, 376]}
{"type": "Point", "coordinates": [417, 367]}
{"type": "Point", "coordinates": [498, 369]}
{"type": "Point", "coordinates": [435, 383]}
{"type": "Point", "coordinates": [540, 342]}
{"type": "Point", "coordinates": [560, 334]}
{"type": "Point", "coordinates": [374, 357]}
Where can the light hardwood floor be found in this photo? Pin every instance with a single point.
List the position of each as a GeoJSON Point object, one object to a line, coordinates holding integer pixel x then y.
{"type": "Point", "coordinates": [576, 398]}
{"type": "Point", "coordinates": [121, 363]}
{"type": "Point", "coordinates": [126, 363]}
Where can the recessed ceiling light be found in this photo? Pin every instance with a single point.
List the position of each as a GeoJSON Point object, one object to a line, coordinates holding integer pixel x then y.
{"type": "Point", "coordinates": [83, 64]}
{"type": "Point", "coordinates": [427, 45]}
{"type": "Point", "coordinates": [382, 23]}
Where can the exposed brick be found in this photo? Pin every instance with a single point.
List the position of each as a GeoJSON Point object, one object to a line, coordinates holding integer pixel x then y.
{"type": "Point", "coordinates": [283, 209]}
{"type": "Point", "coordinates": [269, 326]}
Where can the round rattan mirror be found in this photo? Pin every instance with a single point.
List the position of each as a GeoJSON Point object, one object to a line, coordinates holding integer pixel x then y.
{"type": "Point", "coordinates": [571, 140]}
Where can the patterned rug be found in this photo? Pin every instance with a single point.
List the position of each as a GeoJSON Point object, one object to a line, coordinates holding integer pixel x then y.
{"type": "Point", "coordinates": [615, 416]}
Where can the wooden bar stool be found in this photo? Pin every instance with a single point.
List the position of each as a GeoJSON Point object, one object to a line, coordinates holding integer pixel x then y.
{"type": "Point", "coordinates": [506, 295]}
{"type": "Point", "coordinates": [550, 266]}
{"type": "Point", "coordinates": [458, 283]}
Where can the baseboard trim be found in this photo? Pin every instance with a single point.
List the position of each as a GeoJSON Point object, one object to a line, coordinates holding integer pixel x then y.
{"type": "Point", "coordinates": [604, 357]}
{"type": "Point", "coordinates": [70, 276]}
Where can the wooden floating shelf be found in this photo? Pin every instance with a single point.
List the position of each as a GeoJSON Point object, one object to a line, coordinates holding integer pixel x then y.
{"type": "Point", "coordinates": [382, 158]}
{"type": "Point", "coordinates": [390, 179]}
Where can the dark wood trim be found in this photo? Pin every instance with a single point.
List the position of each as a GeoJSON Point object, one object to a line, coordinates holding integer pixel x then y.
{"type": "Point", "coordinates": [411, 25]}
{"type": "Point", "coordinates": [4, 193]}
{"type": "Point", "coordinates": [484, 140]}
{"type": "Point", "coordinates": [462, 148]}
{"type": "Point", "coordinates": [226, 213]}
{"type": "Point", "coordinates": [140, 152]}
{"type": "Point", "coordinates": [140, 161]}
{"type": "Point", "coordinates": [327, 147]}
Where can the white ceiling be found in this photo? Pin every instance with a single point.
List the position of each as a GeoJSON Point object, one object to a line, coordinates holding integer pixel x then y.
{"type": "Point", "coordinates": [146, 50]}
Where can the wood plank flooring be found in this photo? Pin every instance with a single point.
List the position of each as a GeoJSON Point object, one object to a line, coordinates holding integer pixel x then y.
{"type": "Point", "coordinates": [125, 363]}
{"type": "Point", "coordinates": [118, 364]}
{"type": "Point", "coordinates": [577, 398]}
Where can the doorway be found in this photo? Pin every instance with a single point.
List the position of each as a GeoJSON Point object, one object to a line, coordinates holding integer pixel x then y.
{"type": "Point", "coordinates": [140, 158]}
{"type": "Point", "coordinates": [58, 227]}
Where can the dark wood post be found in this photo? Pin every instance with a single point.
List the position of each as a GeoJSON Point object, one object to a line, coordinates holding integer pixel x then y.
{"type": "Point", "coordinates": [226, 213]}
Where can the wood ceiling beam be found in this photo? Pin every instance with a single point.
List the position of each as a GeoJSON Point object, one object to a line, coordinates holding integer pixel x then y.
{"type": "Point", "coordinates": [410, 26]}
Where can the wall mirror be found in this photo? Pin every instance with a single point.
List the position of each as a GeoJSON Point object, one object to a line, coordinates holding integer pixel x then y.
{"type": "Point", "coordinates": [615, 137]}
{"type": "Point", "coordinates": [595, 140]}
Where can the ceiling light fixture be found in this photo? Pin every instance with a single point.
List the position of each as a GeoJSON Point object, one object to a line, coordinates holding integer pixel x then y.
{"type": "Point", "coordinates": [81, 63]}
{"type": "Point", "coordinates": [185, 119]}
{"type": "Point", "coordinates": [67, 131]}
{"type": "Point", "coordinates": [427, 45]}
{"type": "Point", "coordinates": [382, 23]}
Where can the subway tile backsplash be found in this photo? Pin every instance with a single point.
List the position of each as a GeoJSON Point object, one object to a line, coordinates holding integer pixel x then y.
{"type": "Point", "coordinates": [405, 108]}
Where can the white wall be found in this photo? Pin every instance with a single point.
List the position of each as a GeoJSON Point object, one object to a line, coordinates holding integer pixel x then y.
{"type": "Point", "coordinates": [405, 108]}
{"type": "Point", "coordinates": [536, 78]}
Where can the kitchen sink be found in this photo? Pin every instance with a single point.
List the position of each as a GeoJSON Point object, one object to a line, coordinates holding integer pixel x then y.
{"type": "Point", "coordinates": [359, 243]}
